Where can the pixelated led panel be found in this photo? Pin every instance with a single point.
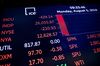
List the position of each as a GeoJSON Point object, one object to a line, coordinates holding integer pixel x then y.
{"type": "Point", "coordinates": [50, 35]}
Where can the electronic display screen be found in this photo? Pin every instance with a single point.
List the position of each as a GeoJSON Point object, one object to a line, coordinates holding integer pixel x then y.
{"type": "Point", "coordinates": [50, 36]}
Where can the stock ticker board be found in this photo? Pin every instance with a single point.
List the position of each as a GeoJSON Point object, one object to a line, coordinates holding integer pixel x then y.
{"type": "Point", "coordinates": [50, 36]}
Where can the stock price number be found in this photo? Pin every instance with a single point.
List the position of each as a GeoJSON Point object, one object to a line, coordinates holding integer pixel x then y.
{"type": "Point", "coordinates": [32, 44]}
{"type": "Point", "coordinates": [35, 52]}
{"type": "Point", "coordinates": [55, 41]}
{"type": "Point", "coordinates": [36, 61]}
{"type": "Point", "coordinates": [46, 17]}
{"type": "Point", "coordinates": [56, 49]}
{"type": "Point", "coordinates": [58, 57]}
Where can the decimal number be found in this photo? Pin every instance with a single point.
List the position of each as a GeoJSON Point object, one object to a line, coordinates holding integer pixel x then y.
{"type": "Point", "coordinates": [58, 57]}
{"type": "Point", "coordinates": [55, 41]}
{"type": "Point", "coordinates": [48, 28]}
{"type": "Point", "coordinates": [56, 49]}
{"type": "Point", "coordinates": [47, 35]}
{"type": "Point", "coordinates": [46, 17]}
{"type": "Point", "coordinates": [36, 61]}
{"type": "Point", "coordinates": [31, 44]}
{"type": "Point", "coordinates": [44, 22]}
{"type": "Point", "coordinates": [35, 52]}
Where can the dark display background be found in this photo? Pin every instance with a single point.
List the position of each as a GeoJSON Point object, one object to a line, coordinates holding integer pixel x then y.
{"type": "Point", "coordinates": [80, 26]}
